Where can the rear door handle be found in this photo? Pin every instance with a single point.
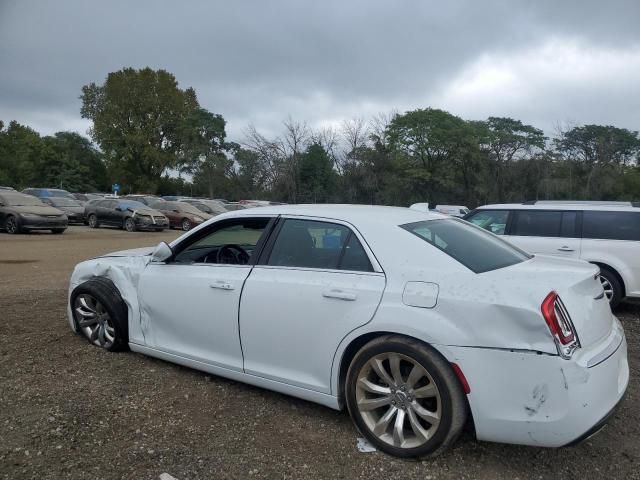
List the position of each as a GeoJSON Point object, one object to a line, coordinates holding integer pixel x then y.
{"type": "Point", "coordinates": [339, 294]}
{"type": "Point", "coordinates": [564, 248]}
{"type": "Point", "coordinates": [222, 285]}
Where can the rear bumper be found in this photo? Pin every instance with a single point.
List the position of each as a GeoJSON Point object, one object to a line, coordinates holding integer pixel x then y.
{"type": "Point", "coordinates": [543, 400]}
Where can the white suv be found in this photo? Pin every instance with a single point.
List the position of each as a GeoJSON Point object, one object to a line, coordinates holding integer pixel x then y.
{"type": "Point", "coordinates": [604, 233]}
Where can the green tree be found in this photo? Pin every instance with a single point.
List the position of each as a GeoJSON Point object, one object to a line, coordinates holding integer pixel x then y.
{"type": "Point", "coordinates": [598, 154]}
{"type": "Point", "coordinates": [507, 140]}
{"type": "Point", "coordinates": [203, 154]}
{"type": "Point", "coordinates": [21, 152]}
{"type": "Point", "coordinates": [317, 177]}
{"type": "Point", "coordinates": [433, 147]}
{"type": "Point", "coordinates": [138, 118]}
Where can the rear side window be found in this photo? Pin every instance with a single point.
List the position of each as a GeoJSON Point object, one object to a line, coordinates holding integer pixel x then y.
{"type": "Point", "coordinates": [611, 225]}
{"type": "Point", "coordinates": [313, 244]}
{"type": "Point", "coordinates": [472, 247]}
{"type": "Point", "coordinates": [495, 221]}
{"type": "Point", "coordinates": [537, 223]}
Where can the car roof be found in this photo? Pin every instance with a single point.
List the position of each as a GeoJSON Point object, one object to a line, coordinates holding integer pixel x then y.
{"type": "Point", "coordinates": [355, 214]}
{"type": "Point", "coordinates": [562, 206]}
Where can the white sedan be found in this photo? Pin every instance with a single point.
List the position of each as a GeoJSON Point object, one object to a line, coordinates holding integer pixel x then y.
{"type": "Point", "coordinates": [414, 321]}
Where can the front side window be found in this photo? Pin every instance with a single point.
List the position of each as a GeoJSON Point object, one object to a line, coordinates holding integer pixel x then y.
{"type": "Point", "coordinates": [611, 225]}
{"type": "Point", "coordinates": [315, 244]}
{"type": "Point", "coordinates": [495, 221]}
{"type": "Point", "coordinates": [231, 243]}
{"type": "Point", "coordinates": [471, 246]}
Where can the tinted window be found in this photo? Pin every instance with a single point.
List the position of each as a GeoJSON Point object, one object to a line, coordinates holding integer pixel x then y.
{"type": "Point", "coordinates": [494, 221]}
{"type": "Point", "coordinates": [611, 225]}
{"type": "Point", "coordinates": [471, 246]}
{"type": "Point", "coordinates": [312, 244]}
{"type": "Point", "coordinates": [568, 227]}
{"type": "Point", "coordinates": [537, 223]}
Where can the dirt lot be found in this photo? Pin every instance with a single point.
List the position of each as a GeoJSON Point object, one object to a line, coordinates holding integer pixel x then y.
{"type": "Point", "coordinates": [70, 410]}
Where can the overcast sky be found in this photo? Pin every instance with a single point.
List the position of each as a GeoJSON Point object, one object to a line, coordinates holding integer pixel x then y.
{"type": "Point", "coordinates": [323, 61]}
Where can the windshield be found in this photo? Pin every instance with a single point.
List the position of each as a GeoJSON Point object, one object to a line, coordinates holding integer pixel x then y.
{"type": "Point", "coordinates": [130, 204]}
{"type": "Point", "coordinates": [183, 207]}
{"type": "Point", "coordinates": [473, 247]}
{"type": "Point", "coordinates": [64, 202]}
{"type": "Point", "coordinates": [59, 193]}
{"type": "Point", "coordinates": [18, 200]}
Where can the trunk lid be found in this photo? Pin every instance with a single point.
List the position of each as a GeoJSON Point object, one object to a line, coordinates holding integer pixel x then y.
{"type": "Point", "coordinates": [576, 283]}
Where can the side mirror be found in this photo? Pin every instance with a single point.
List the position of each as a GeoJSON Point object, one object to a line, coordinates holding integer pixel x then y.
{"type": "Point", "coordinates": [162, 252]}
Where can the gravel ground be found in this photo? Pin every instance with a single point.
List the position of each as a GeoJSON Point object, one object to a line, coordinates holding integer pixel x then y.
{"type": "Point", "coordinates": [71, 410]}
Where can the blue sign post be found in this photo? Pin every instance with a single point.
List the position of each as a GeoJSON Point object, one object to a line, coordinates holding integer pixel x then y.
{"type": "Point", "coordinates": [115, 188]}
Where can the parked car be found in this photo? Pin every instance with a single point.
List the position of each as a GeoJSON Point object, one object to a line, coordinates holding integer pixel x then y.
{"type": "Point", "coordinates": [421, 207]}
{"type": "Point", "coordinates": [7, 188]}
{"type": "Point", "coordinates": [20, 213]}
{"type": "Point", "coordinates": [48, 192]}
{"type": "Point", "coordinates": [411, 320]}
{"type": "Point", "coordinates": [122, 213]}
{"type": "Point", "coordinates": [604, 233]}
{"type": "Point", "coordinates": [210, 207]}
{"type": "Point", "coordinates": [181, 214]}
{"type": "Point", "coordinates": [453, 210]}
{"type": "Point", "coordinates": [72, 208]}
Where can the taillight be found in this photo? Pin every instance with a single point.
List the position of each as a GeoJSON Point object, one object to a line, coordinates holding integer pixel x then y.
{"type": "Point", "coordinates": [560, 325]}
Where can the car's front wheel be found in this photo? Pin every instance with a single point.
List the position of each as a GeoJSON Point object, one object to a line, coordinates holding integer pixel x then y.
{"type": "Point", "coordinates": [58, 230]}
{"type": "Point", "coordinates": [405, 397]}
{"type": "Point", "coordinates": [100, 314]}
{"type": "Point", "coordinates": [11, 225]}
{"type": "Point", "coordinates": [130, 225]}
{"type": "Point", "coordinates": [93, 221]}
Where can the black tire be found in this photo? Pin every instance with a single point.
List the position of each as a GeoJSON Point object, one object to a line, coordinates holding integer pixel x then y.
{"type": "Point", "coordinates": [609, 276]}
{"type": "Point", "coordinates": [185, 224]}
{"type": "Point", "coordinates": [129, 224]}
{"type": "Point", "coordinates": [453, 407]}
{"type": "Point", "coordinates": [92, 221]}
{"type": "Point", "coordinates": [12, 225]}
{"type": "Point", "coordinates": [58, 231]}
{"type": "Point", "coordinates": [108, 295]}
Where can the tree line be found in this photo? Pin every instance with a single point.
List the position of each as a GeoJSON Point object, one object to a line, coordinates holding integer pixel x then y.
{"type": "Point", "coordinates": [152, 136]}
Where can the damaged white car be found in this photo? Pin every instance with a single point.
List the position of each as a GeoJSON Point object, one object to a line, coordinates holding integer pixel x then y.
{"type": "Point", "coordinates": [414, 321]}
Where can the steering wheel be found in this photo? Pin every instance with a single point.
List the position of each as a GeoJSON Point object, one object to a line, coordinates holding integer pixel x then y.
{"type": "Point", "coordinates": [232, 254]}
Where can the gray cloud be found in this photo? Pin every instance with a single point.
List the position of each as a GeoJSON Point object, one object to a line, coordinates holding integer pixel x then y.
{"type": "Point", "coordinates": [257, 62]}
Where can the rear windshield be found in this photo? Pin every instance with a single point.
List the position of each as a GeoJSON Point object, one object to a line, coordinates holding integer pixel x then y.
{"type": "Point", "coordinates": [473, 247]}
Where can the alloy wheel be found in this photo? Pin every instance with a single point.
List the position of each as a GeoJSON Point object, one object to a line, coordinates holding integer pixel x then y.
{"type": "Point", "coordinates": [186, 225]}
{"type": "Point", "coordinates": [608, 288]}
{"type": "Point", "coordinates": [93, 221]}
{"type": "Point", "coordinates": [398, 400]}
{"type": "Point", "coordinates": [11, 225]}
{"type": "Point", "coordinates": [129, 225]}
{"type": "Point", "coordinates": [94, 321]}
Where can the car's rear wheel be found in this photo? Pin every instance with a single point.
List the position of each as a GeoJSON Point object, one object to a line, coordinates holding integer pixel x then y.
{"type": "Point", "coordinates": [404, 397]}
{"type": "Point", "coordinates": [101, 314]}
{"type": "Point", "coordinates": [93, 221]}
{"type": "Point", "coordinates": [186, 224]}
{"type": "Point", "coordinates": [611, 285]}
{"type": "Point", "coordinates": [129, 225]}
{"type": "Point", "coordinates": [11, 225]}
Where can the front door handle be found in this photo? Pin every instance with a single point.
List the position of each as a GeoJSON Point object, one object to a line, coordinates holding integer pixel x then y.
{"type": "Point", "coordinates": [565, 248]}
{"type": "Point", "coordinates": [222, 285]}
{"type": "Point", "coordinates": [339, 294]}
